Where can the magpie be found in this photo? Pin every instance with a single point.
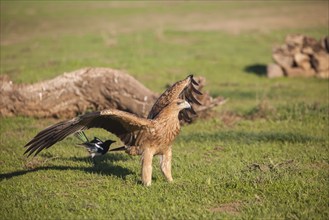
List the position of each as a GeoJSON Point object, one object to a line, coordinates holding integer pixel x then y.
{"type": "Point", "coordinates": [96, 147]}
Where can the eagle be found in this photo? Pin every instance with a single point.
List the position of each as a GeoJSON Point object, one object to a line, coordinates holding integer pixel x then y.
{"type": "Point", "coordinates": [147, 137]}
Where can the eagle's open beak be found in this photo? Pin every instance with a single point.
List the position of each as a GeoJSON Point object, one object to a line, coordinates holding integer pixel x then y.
{"type": "Point", "coordinates": [186, 105]}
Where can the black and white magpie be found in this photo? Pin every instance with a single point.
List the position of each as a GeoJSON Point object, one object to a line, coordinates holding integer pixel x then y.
{"type": "Point", "coordinates": [96, 147]}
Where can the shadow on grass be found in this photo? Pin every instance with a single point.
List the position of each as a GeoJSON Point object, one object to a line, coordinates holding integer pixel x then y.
{"type": "Point", "coordinates": [251, 137]}
{"type": "Point", "coordinates": [258, 69]}
{"type": "Point", "coordinates": [107, 157]}
{"type": "Point", "coordinates": [100, 166]}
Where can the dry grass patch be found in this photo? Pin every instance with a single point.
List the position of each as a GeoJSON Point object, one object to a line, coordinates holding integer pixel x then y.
{"type": "Point", "coordinates": [231, 208]}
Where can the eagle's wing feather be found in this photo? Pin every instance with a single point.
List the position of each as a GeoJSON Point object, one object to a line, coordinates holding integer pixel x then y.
{"type": "Point", "coordinates": [183, 89]}
{"type": "Point", "coordinates": [115, 121]}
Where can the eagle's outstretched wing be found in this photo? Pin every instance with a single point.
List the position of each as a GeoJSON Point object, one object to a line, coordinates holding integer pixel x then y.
{"type": "Point", "coordinates": [183, 89]}
{"type": "Point", "coordinates": [115, 121]}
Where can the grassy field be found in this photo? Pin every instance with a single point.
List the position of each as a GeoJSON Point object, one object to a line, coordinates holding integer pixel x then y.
{"type": "Point", "coordinates": [264, 154]}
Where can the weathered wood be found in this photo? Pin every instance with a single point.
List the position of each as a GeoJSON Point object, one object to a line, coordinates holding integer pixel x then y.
{"type": "Point", "coordinates": [323, 74]}
{"type": "Point", "coordinates": [299, 72]}
{"type": "Point", "coordinates": [295, 39]}
{"type": "Point", "coordinates": [87, 89]}
{"type": "Point", "coordinates": [320, 61]}
{"type": "Point", "coordinates": [303, 61]}
{"type": "Point", "coordinates": [274, 71]}
{"type": "Point", "coordinates": [283, 60]}
{"type": "Point", "coordinates": [325, 43]}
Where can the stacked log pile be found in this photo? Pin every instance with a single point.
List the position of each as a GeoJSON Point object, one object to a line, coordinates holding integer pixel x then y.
{"type": "Point", "coordinates": [300, 56]}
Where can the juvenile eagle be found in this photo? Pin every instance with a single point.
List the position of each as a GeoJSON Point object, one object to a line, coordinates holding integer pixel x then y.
{"type": "Point", "coordinates": [149, 136]}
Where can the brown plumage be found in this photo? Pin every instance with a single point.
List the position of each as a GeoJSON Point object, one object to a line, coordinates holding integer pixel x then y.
{"type": "Point", "coordinates": [146, 137]}
{"type": "Point", "coordinates": [183, 89]}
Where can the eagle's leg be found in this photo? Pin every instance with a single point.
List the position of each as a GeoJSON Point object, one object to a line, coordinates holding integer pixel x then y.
{"type": "Point", "coordinates": [133, 150]}
{"type": "Point", "coordinates": [165, 164]}
{"type": "Point", "coordinates": [147, 167]}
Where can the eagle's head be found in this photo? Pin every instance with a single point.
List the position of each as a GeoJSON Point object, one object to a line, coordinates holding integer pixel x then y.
{"type": "Point", "coordinates": [173, 109]}
{"type": "Point", "coordinates": [182, 104]}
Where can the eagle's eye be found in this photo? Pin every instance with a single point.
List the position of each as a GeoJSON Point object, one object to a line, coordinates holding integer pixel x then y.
{"type": "Point", "coordinates": [179, 102]}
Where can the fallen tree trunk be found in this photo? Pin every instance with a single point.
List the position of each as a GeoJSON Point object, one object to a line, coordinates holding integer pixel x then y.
{"type": "Point", "coordinates": [87, 89]}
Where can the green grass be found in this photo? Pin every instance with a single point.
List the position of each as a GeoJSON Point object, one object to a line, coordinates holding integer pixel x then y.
{"type": "Point", "coordinates": [264, 154]}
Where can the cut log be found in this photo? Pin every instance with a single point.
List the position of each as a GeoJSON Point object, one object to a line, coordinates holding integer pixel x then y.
{"type": "Point", "coordinates": [313, 43]}
{"type": "Point", "coordinates": [303, 61]}
{"type": "Point", "coordinates": [323, 74]}
{"type": "Point", "coordinates": [274, 71]}
{"type": "Point", "coordinates": [87, 89]}
{"type": "Point", "coordinates": [308, 50]}
{"type": "Point", "coordinates": [297, 71]}
{"type": "Point", "coordinates": [283, 60]}
{"type": "Point", "coordinates": [325, 43]}
{"type": "Point", "coordinates": [295, 39]}
{"type": "Point", "coordinates": [320, 61]}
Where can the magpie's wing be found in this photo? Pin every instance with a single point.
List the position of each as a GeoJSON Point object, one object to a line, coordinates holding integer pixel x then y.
{"type": "Point", "coordinates": [99, 147]}
{"type": "Point", "coordinates": [184, 89]}
{"type": "Point", "coordinates": [115, 121]}
{"type": "Point", "coordinates": [96, 140]}
{"type": "Point", "coordinates": [91, 148]}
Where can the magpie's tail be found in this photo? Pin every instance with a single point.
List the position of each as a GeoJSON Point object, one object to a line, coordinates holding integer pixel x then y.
{"type": "Point", "coordinates": [81, 136]}
{"type": "Point", "coordinates": [123, 148]}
